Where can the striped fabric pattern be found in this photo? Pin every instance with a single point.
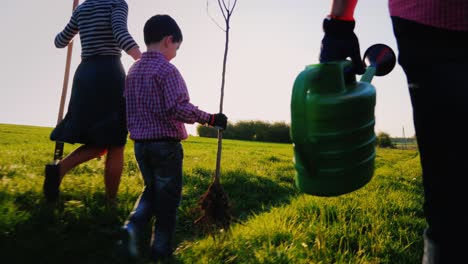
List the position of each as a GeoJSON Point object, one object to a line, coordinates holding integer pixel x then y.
{"type": "Point", "coordinates": [102, 26]}
{"type": "Point", "coordinates": [444, 14]}
{"type": "Point", "coordinates": [158, 102]}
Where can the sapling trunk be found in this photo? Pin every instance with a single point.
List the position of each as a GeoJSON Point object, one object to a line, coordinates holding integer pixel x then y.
{"type": "Point", "coordinates": [214, 203]}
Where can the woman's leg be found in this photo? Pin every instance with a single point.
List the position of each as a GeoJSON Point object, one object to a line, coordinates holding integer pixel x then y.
{"type": "Point", "coordinates": [55, 173]}
{"type": "Point", "coordinates": [113, 166]}
{"type": "Point", "coordinates": [78, 156]}
{"type": "Point", "coordinates": [113, 172]}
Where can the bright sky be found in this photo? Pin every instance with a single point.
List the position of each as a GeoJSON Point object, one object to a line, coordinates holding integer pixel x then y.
{"type": "Point", "coordinates": [271, 41]}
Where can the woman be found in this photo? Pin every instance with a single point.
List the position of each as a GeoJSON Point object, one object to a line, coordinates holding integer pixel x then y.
{"type": "Point", "coordinates": [96, 112]}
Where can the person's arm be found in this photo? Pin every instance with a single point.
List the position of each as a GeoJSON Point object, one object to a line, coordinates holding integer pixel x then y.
{"type": "Point", "coordinates": [68, 33]}
{"type": "Point", "coordinates": [177, 100]}
{"type": "Point", "coordinates": [180, 108]}
{"type": "Point", "coordinates": [339, 41]}
{"type": "Point", "coordinates": [343, 9]}
{"type": "Point", "coordinates": [135, 53]}
{"type": "Point", "coordinates": [125, 41]}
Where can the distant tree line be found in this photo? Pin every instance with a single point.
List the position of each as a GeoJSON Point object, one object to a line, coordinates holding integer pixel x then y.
{"type": "Point", "coordinates": [384, 140]}
{"type": "Point", "coordinates": [277, 132]}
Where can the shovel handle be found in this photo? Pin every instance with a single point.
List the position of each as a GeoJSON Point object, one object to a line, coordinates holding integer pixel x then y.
{"type": "Point", "coordinates": [67, 73]}
{"type": "Point", "coordinates": [58, 152]}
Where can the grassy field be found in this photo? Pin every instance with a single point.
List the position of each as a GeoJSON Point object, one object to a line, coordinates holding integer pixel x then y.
{"type": "Point", "coordinates": [379, 223]}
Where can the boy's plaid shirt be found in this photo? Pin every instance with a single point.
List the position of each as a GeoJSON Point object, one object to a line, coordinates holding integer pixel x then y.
{"type": "Point", "coordinates": [157, 99]}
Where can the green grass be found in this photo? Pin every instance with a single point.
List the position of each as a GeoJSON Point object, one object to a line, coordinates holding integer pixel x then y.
{"type": "Point", "coordinates": [379, 223]}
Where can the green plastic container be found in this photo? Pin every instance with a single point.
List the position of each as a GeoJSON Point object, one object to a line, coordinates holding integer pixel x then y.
{"type": "Point", "coordinates": [332, 129]}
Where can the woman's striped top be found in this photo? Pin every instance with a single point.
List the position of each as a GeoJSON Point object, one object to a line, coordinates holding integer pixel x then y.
{"type": "Point", "coordinates": [102, 26]}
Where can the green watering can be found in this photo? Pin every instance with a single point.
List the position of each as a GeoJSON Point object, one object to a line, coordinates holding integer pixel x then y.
{"type": "Point", "coordinates": [332, 124]}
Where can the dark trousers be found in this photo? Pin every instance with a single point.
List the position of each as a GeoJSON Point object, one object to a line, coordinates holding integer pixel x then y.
{"type": "Point", "coordinates": [436, 65]}
{"type": "Point", "coordinates": [161, 166]}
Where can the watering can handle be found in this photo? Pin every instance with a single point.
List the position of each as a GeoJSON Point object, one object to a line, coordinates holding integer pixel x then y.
{"type": "Point", "coordinates": [299, 94]}
{"type": "Point", "coordinates": [327, 79]}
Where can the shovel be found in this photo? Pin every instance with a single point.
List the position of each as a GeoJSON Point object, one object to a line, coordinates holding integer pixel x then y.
{"type": "Point", "coordinates": [58, 151]}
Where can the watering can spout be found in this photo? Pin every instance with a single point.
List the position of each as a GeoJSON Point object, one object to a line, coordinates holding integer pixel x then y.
{"type": "Point", "coordinates": [380, 60]}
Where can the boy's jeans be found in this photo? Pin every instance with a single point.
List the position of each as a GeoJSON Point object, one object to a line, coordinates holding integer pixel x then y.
{"type": "Point", "coordinates": [160, 163]}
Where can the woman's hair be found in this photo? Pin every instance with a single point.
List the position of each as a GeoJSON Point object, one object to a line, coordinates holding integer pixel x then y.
{"type": "Point", "coordinates": [160, 26]}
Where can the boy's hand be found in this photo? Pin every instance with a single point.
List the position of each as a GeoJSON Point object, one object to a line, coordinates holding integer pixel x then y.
{"type": "Point", "coordinates": [340, 42]}
{"type": "Point", "coordinates": [218, 121]}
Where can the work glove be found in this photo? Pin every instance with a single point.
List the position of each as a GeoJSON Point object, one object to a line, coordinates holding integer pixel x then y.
{"type": "Point", "coordinates": [340, 42]}
{"type": "Point", "coordinates": [218, 121]}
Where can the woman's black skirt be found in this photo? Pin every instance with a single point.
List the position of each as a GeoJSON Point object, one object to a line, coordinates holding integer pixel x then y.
{"type": "Point", "coordinates": [96, 111]}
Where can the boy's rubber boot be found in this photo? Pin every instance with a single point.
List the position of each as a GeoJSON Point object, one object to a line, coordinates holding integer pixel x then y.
{"type": "Point", "coordinates": [162, 238]}
{"type": "Point", "coordinates": [128, 243]}
{"type": "Point", "coordinates": [431, 250]}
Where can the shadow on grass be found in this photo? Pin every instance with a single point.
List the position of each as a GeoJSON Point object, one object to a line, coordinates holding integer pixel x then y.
{"type": "Point", "coordinates": [69, 231]}
{"type": "Point", "coordinates": [79, 228]}
{"type": "Point", "coordinates": [249, 194]}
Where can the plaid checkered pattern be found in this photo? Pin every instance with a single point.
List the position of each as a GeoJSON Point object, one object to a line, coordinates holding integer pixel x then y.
{"type": "Point", "coordinates": [158, 102]}
{"type": "Point", "coordinates": [445, 14]}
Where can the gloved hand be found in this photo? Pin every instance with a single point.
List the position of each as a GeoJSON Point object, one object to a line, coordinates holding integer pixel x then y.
{"type": "Point", "coordinates": [218, 121]}
{"type": "Point", "coordinates": [340, 42]}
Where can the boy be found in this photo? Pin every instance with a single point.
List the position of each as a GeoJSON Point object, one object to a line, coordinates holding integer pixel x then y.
{"type": "Point", "coordinates": [158, 105]}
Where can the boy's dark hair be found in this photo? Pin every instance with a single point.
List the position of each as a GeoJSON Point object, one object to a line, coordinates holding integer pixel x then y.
{"type": "Point", "coordinates": [159, 26]}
